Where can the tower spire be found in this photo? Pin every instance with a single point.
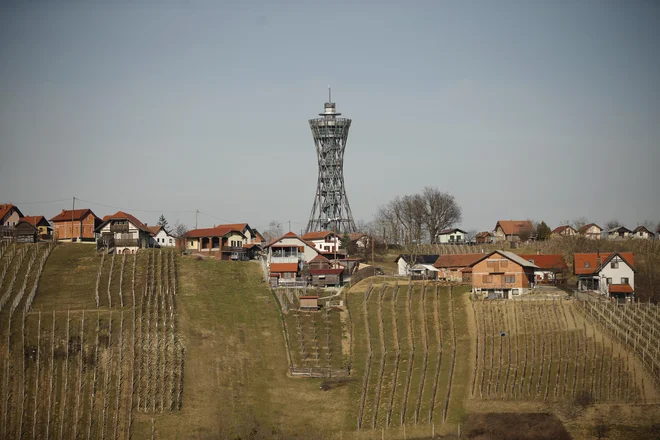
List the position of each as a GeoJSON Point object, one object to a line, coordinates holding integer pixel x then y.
{"type": "Point", "coordinates": [329, 93]}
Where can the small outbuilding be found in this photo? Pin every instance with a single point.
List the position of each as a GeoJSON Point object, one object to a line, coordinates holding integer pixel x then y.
{"type": "Point", "coordinates": [309, 302]}
{"type": "Point", "coordinates": [25, 232]}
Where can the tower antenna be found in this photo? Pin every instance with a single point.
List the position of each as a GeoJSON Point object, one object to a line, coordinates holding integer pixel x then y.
{"type": "Point", "coordinates": [329, 93]}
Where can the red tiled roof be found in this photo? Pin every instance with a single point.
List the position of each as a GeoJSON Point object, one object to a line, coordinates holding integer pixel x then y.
{"type": "Point", "coordinates": [620, 288]}
{"type": "Point", "coordinates": [78, 214]}
{"type": "Point", "coordinates": [283, 267]}
{"type": "Point", "coordinates": [326, 271]}
{"type": "Point", "coordinates": [218, 231]}
{"type": "Point", "coordinates": [121, 215]}
{"type": "Point", "coordinates": [154, 229]}
{"type": "Point", "coordinates": [584, 228]}
{"type": "Point", "coordinates": [560, 229]}
{"type": "Point", "coordinates": [456, 260]}
{"type": "Point", "coordinates": [451, 230]}
{"type": "Point", "coordinates": [319, 258]}
{"type": "Point", "coordinates": [579, 261]}
{"type": "Point", "coordinates": [355, 236]}
{"type": "Point", "coordinates": [6, 208]}
{"type": "Point", "coordinates": [547, 261]}
{"type": "Point", "coordinates": [318, 235]}
{"type": "Point", "coordinates": [290, 234]}
{"type": "Point", "coordinates": [484, 234]}
{"type": "Point", "coordinates": [515, 227]}
{"type": "Point", "coordinates": [35, 219]}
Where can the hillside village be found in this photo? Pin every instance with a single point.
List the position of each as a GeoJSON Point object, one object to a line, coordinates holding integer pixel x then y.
{"type": "Point", "coordinates": [322, 258]}
{"type": "Point", "coordinates": [387, 321]}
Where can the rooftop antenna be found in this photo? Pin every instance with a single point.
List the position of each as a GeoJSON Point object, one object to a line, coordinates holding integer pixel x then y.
{"type": "Point", "coordinates": [329, 93]}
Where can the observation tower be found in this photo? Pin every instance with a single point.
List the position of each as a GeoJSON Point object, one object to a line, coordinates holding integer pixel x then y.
{"type": "Point", "coordinates": [331, 210]}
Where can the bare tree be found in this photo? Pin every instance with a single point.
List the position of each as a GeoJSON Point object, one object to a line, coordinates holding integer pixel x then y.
{"type": "Point", "coordinates": [612, 224]}
{"type": "Point", "coordinates": [471, 235]}
{"type": "Point", "coordinates": [579, 222]}
{"type": "Point", "coordinates": [441, 211]}
{"type": "Point", "coordinates": [179, 230]}
{"type": "Point", "coordinates": [274, 230]}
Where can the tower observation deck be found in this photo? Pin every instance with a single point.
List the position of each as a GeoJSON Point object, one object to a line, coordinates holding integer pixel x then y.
{"type": "Point", "coordinates": [331, 210]}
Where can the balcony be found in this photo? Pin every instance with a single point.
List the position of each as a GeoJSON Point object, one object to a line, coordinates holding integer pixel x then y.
{"type": "Point", "coordinates": [119, 228]}
{"type": "Point", "coordinates": [233, 249]}
{"type": "Point", "coordinates": [127, 242]}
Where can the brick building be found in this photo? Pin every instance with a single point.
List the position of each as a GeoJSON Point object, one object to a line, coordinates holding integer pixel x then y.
{"type": "Point", "coordinates": [79, 224]}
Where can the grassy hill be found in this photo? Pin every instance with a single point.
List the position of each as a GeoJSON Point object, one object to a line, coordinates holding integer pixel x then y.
{"type": "Point", "coordinates": [164, 346]}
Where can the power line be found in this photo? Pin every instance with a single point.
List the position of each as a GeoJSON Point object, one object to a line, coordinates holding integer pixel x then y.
{"type": "Point", "coordinates": [135, 209]}
{"type": "Point", "coordinates": [42, 202]}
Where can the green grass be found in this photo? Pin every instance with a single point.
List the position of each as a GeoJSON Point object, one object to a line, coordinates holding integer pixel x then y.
{"type": "Point", "coordinates": [235, 381]}
{"type": "Point", "coordinates": [68, 279]}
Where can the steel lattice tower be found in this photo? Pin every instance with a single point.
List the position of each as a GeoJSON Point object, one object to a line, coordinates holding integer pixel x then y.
{"type": "Point", "coordinates": [331, 210]}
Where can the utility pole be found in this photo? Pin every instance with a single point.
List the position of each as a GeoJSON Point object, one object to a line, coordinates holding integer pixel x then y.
{"type": "Point", "coordinates": [289, 225]}
{"type": "Point", "coordinates": [373, 260]}
{"type": "Point", "coordinates": [196, 216]}
{"type": "Point", "coordinates": [73, 208]}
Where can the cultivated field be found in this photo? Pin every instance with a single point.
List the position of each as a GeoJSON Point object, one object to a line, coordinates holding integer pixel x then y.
{"type": "Point", "coordinates": [314, 340]}
{"type": "Point", "coordinates": [543, 350]}
{"type": "Point", "coordinates": [90, 344]}
{"type": "Point", "coordinates": [408, 341]}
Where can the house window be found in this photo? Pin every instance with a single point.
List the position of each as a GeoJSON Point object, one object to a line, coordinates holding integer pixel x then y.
{"type": "Point", "coordinates": [515, 291]}
{"type": "Point", "coordinates": [614, 265]}
{"type": "Point", "coordinates": [487, 278]}
{"type": "Point", "coordinates": [609, 281]}
{"type": "Point", "coordinates": [170, 241]}
{"type": "Point", "coordinates": [624, 280]}
{"type": "Point", "coordinates": [510, 279]}
{"type": "Point", "coordinates": [586, 264]}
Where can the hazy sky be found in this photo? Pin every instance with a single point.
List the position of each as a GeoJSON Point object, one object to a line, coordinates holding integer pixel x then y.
{"type": "Point", "coordinates": [546, 110]}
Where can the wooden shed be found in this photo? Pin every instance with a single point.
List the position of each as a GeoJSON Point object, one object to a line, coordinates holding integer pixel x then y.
{"type": "Point", "coordinates": [25, 232]}
{"type": "Point", "coordinates": [327, 277]}
{"type": "Point", "coordinates": [309, 302]}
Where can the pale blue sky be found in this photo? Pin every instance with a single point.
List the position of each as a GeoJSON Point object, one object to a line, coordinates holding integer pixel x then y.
{"type": "Point", "coordinates": [521, 109]}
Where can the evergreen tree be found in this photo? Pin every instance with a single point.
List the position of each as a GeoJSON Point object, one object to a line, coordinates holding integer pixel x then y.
{"type": "Point", "coordinates": [543, 231]}
{"type": "Point", "coordinates": [162, 222]}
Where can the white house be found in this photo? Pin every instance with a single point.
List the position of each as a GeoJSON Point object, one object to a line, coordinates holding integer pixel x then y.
{"type": "Point", "coordinates": [451, 236]}
{"type": "Point", "coordinates": [10, 215]}
{"type": "Point", "coordinates": [619, 232]}
{"type": "Point", "coordinates": [642, 232]}
{"type": "Point", "coordinates": [608, 273]}
{"type": "Point", "coordinates": [591, 231]}
{"type": "Point", "coordinates": [324, 241]}
{"type": "Point", "coordinates": [290, 248]}
{"type": "Point", "coordinates": [161, 238]}
{"type": "Point", "coordinates": [404, 262]}
{"type": "Point", "coordinates": [123, 233]}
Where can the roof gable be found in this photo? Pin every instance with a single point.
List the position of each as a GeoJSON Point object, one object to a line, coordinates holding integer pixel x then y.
{"type": "Point", "coordinates": [451, 231]}
{"type": "Point", "coordinates": [36, 220]}
{"type": "Point", "coordinates": [75, 215]}
{"type": "Point", "coordinates": [560, 229]}
{"type": "Point", "coordinates": [456, 260]}
{"type": "Point", "coordinates": [121, 215]}
{"type": "Point", "coordinates": [515, 227]}
{"type": "Point", "coordinates": [546, 261]}
{"type": "Point", "coordinates": [585, 228]}
{"type": "Point", "coordinates": [318, 235]}
{"type": "Point", "coordinates": [7, 208]}
{"type": "Point", "coordinates": [217, 231]}
{"type": "Point", "coordinates": [508, 255]}
{"type": "Point", "coordinates": [418, 259]}
{"type": "Point", "coordinates": [642, 228]}
{"type": "Point", "coordinates": [588, 263]}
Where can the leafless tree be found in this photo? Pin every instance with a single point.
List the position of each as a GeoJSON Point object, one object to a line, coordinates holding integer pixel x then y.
{"type": "Point", "coordinates": [612, 224]}
{"type": "Point", "coordinates": [274, 230]}
{"type": "Point", "coordinates": [441, 211]}
{"type": "Point", "coordinates": [579, 222]}
{"type": "Point", "coordinates": [471, 235]}
{"type": "Point", "coordinates": [179, 230]}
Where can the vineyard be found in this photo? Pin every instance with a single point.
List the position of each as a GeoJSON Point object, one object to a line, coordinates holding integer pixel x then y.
{"type": "Point", "coordinates": [86, 373]}
{"type": "Point", "coordinates": [408, 339]}
{"type": "Point", "coordinates": [635, 326]}
{"type": "Point", "coordinates": [314, 338]}
{"type": "Point", "coordinates": [543, 350]}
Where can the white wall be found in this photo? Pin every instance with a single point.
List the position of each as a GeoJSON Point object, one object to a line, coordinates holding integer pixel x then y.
{"type": "Point", "coordinates": [162, 239]}
{"type": "Point", "coordinates": [624, 271]}
{"type": "Point", "coordinates": [445, 238]}
{"type": "Point", "coordinates": [309, 252]}
{"type": "Point", "coordinates": [403, 266]}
